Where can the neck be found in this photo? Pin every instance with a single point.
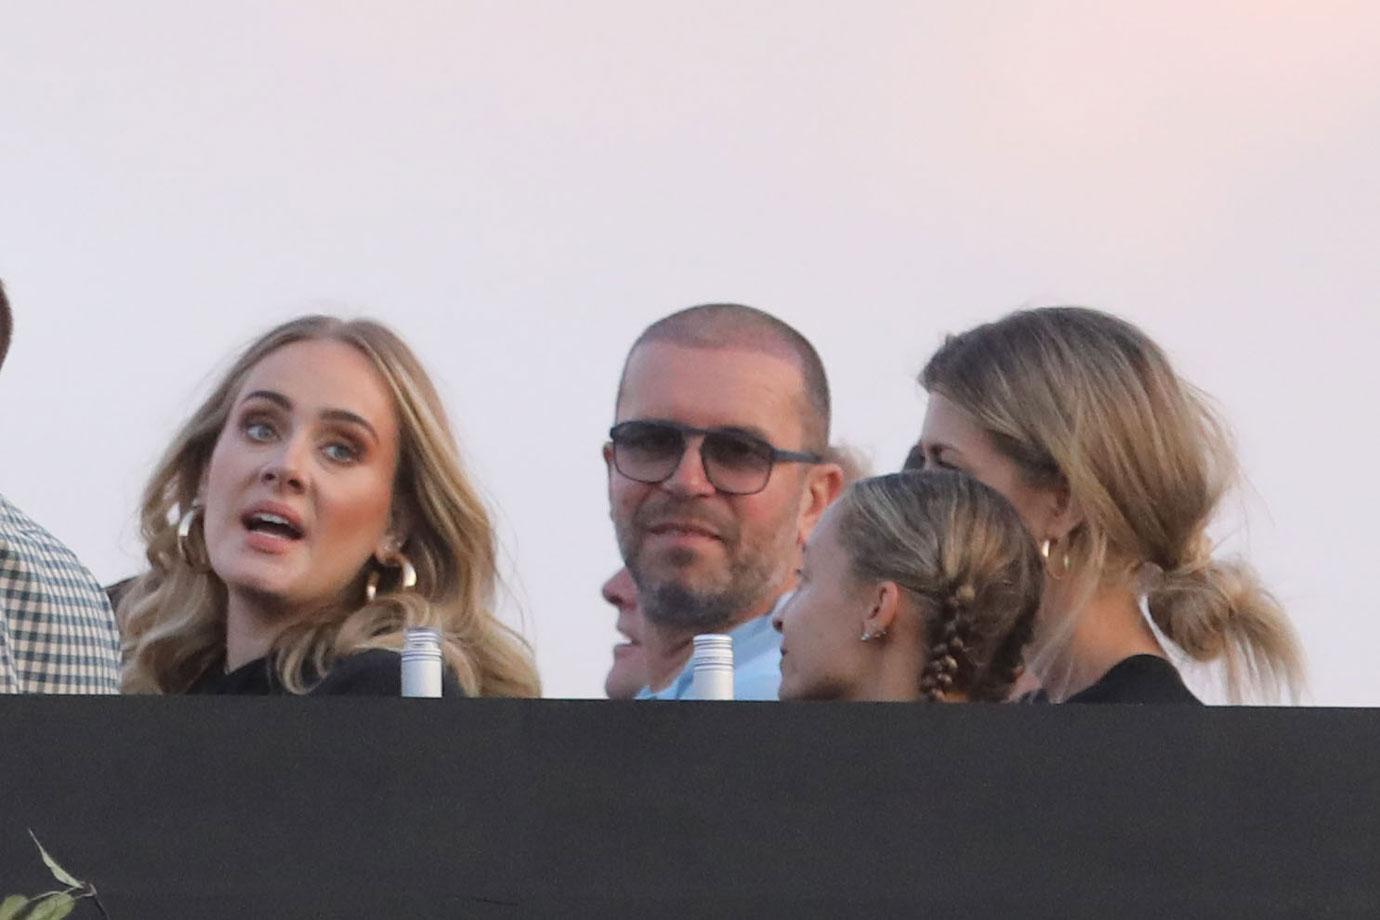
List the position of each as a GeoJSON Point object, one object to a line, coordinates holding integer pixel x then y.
{"type": "Point", "coordinates": [893, 675]}
{"type": "Point", "coordinates": [668, 648]}
{"type": "Point", "coordinates": [1108, 630]}
{"type": "Point", "coordinates": [250, 628]}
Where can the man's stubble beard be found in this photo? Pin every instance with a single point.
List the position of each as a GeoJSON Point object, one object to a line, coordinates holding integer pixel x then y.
{"type": "Point", "coordinates": [669, 597]}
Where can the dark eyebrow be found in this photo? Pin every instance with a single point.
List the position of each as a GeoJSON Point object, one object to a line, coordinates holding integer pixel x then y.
{"type": "Point", "coordinates": [342, 415]}
{"type": "Point", "coordinates": [334, 415]}
{"type": "Point", "coordinates": [276, 398]}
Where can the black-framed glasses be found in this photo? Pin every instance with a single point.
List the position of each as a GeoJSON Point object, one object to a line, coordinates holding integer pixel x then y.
{"type": "Point", "coordinates": [735, 463]}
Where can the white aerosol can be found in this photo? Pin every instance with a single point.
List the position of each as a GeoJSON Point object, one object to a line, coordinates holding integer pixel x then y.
{"type": "Point", "coordinates": [712, 668]}
{"type": "Point", "coordinates": [421, 662]}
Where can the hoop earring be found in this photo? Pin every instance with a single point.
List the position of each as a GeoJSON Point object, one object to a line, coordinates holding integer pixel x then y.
{"type": "Point", "coordinates": [184, 541]}
{"type": "Point", "coordinates": [407, 578]}
{"type": "Point", "coordinates": [1045, 548]}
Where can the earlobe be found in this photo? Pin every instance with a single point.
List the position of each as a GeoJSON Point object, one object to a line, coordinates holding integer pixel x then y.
{"type": "Point", "coordinates": [885, 600]}
{"type": "Point", "coordinates": [608, 463]}
{"type": "Point", "coordinates": [388, 549]}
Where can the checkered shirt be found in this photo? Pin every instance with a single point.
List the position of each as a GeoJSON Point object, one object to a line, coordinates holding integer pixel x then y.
{"type": "Point", "coordinates": [57, 634]}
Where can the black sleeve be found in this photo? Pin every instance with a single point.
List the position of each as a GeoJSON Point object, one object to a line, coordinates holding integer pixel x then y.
{"type": "Point", "coordinates": [376, 672]}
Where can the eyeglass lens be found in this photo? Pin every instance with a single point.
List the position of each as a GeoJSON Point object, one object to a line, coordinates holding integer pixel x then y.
{"type": "Point", "coordinates": [733, 463]}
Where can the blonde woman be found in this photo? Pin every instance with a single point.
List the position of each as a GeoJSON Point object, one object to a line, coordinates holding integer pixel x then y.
{"type": "Point", "coordinates": [311, 509]}
{"type": "Point", "coordinates": [1116, 466]}
{"type": "Point", "coordinates": [914, 586]}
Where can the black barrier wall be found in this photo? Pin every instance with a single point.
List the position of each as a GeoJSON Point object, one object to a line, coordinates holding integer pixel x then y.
{"type": "Point", "coordinates": [335, 807]}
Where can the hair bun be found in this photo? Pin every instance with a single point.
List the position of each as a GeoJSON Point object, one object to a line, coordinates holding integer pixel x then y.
{"type": "Point", "coordinates": [1214, 609]}
{"type": "Point", "coordinates": [1191, 604]}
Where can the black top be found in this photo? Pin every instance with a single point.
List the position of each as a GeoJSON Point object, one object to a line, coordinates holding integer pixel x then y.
{"type": "Point", "coordinates": [1139, 679]}
{"type": "Point", "coordinates": [374, 672]}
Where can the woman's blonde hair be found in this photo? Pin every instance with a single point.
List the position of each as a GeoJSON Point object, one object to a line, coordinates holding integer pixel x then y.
{"type": "Point", "coordinates": [174, 615]}
{"type": "Point", "coordinates": [961, 550]}
{"type": "Point", "coordinates": [1082, 400]}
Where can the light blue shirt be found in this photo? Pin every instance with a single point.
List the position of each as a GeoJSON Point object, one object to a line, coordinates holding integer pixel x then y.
{"type": "Point", "coordinates": [756, 666]}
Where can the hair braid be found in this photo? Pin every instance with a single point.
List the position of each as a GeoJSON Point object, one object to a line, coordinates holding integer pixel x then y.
{"type": "Point", "coordinates": [950, 657]}
{"type": "Point", "coordinates": [967, 563]}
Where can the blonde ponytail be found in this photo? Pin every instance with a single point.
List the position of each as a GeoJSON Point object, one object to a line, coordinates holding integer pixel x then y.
{"type": "Point", "coordinates": [1220, 611]}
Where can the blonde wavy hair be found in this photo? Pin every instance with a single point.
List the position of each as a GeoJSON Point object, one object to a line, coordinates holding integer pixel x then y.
{"type": "Point", "coordinates": [173, 616]}
{"type": "Point", "coordinates": [1083, 400]}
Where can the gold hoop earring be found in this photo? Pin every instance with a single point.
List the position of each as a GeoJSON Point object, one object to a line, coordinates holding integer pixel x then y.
{"type": "Point", "coordinates": [1065, 564]}
{"type": "Point", "coordinates": [185, 549]}
{"type": "Point", "coordinates": [407, 578]}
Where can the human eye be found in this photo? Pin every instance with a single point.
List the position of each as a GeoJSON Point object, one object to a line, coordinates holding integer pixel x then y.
{"type": "Point", "coordinates": [737, 451]}
{"type": "Point", "coordinates": [258, 430]}
{"type": "Point", "coordinates": [650, 440]}
{"type": "Point", "coordinates": [939, 462]}
{"type": "Point", "coordinates": [341, 451]}
{"type": "Point", "coordinates": [651, 436]}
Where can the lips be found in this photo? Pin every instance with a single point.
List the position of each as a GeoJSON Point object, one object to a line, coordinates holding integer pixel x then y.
{"type": "Point", "coordinates": [684, 529]}
{"type": "Point", "coordinates": [274, 520]}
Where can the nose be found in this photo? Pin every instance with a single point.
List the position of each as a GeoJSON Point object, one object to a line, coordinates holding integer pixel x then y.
{"type": "Point", "coordinates": [777, 620]}
{"type": "Point", "coordinates": [689, 477]}
{"type": "Point", "coordinates": [620, 590]}
{"type": "Point", "coordinates": [285, 469]}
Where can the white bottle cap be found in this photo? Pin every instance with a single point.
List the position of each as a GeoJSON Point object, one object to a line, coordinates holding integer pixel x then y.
{"type": "Point", "coordinates": [421, 662]}
{"type": "Point", "coordinates": [712, 668]}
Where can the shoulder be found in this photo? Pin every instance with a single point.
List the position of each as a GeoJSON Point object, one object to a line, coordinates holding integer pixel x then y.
{"type": "Point", "coordinates": [63, 630]}
{"type": "Point", "coordinates": [30, 552]}
{"type": "Point", "coordinates": [373, 672]}
{"type": "Point", "coordinates": [1145, 679]}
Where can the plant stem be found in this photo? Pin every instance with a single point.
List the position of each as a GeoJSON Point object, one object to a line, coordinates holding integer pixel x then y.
{"type": "Point", "coordinates": [97, 898]}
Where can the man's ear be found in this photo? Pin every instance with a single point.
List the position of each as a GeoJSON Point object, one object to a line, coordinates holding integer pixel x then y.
{"type": "Point", "coordinates": [609, 470]}
{"type": "Point", "coordinates": [823, 485]}
{"type": "Point", "coordinates": [885, 600]}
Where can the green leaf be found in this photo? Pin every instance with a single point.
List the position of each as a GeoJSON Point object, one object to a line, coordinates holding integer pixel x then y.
{"type": "Point", "coordinates": [53, 907]}
{"type": "Point", "coordinates": [59, 873]}
{"type": "Point", "coordinates": [11, 906]}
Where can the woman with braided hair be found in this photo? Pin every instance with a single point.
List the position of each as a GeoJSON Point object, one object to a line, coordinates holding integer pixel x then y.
{"type": "Point", "coordinates": [912, 586]}
{"type": "Point", "coordinates": [1116, 465]}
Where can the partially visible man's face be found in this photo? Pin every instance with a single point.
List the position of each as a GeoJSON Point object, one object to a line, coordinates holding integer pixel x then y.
{"type": "Point", "coordinates": [628, 673]}
{"type": "Point", "coordinates": [702, 558]}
